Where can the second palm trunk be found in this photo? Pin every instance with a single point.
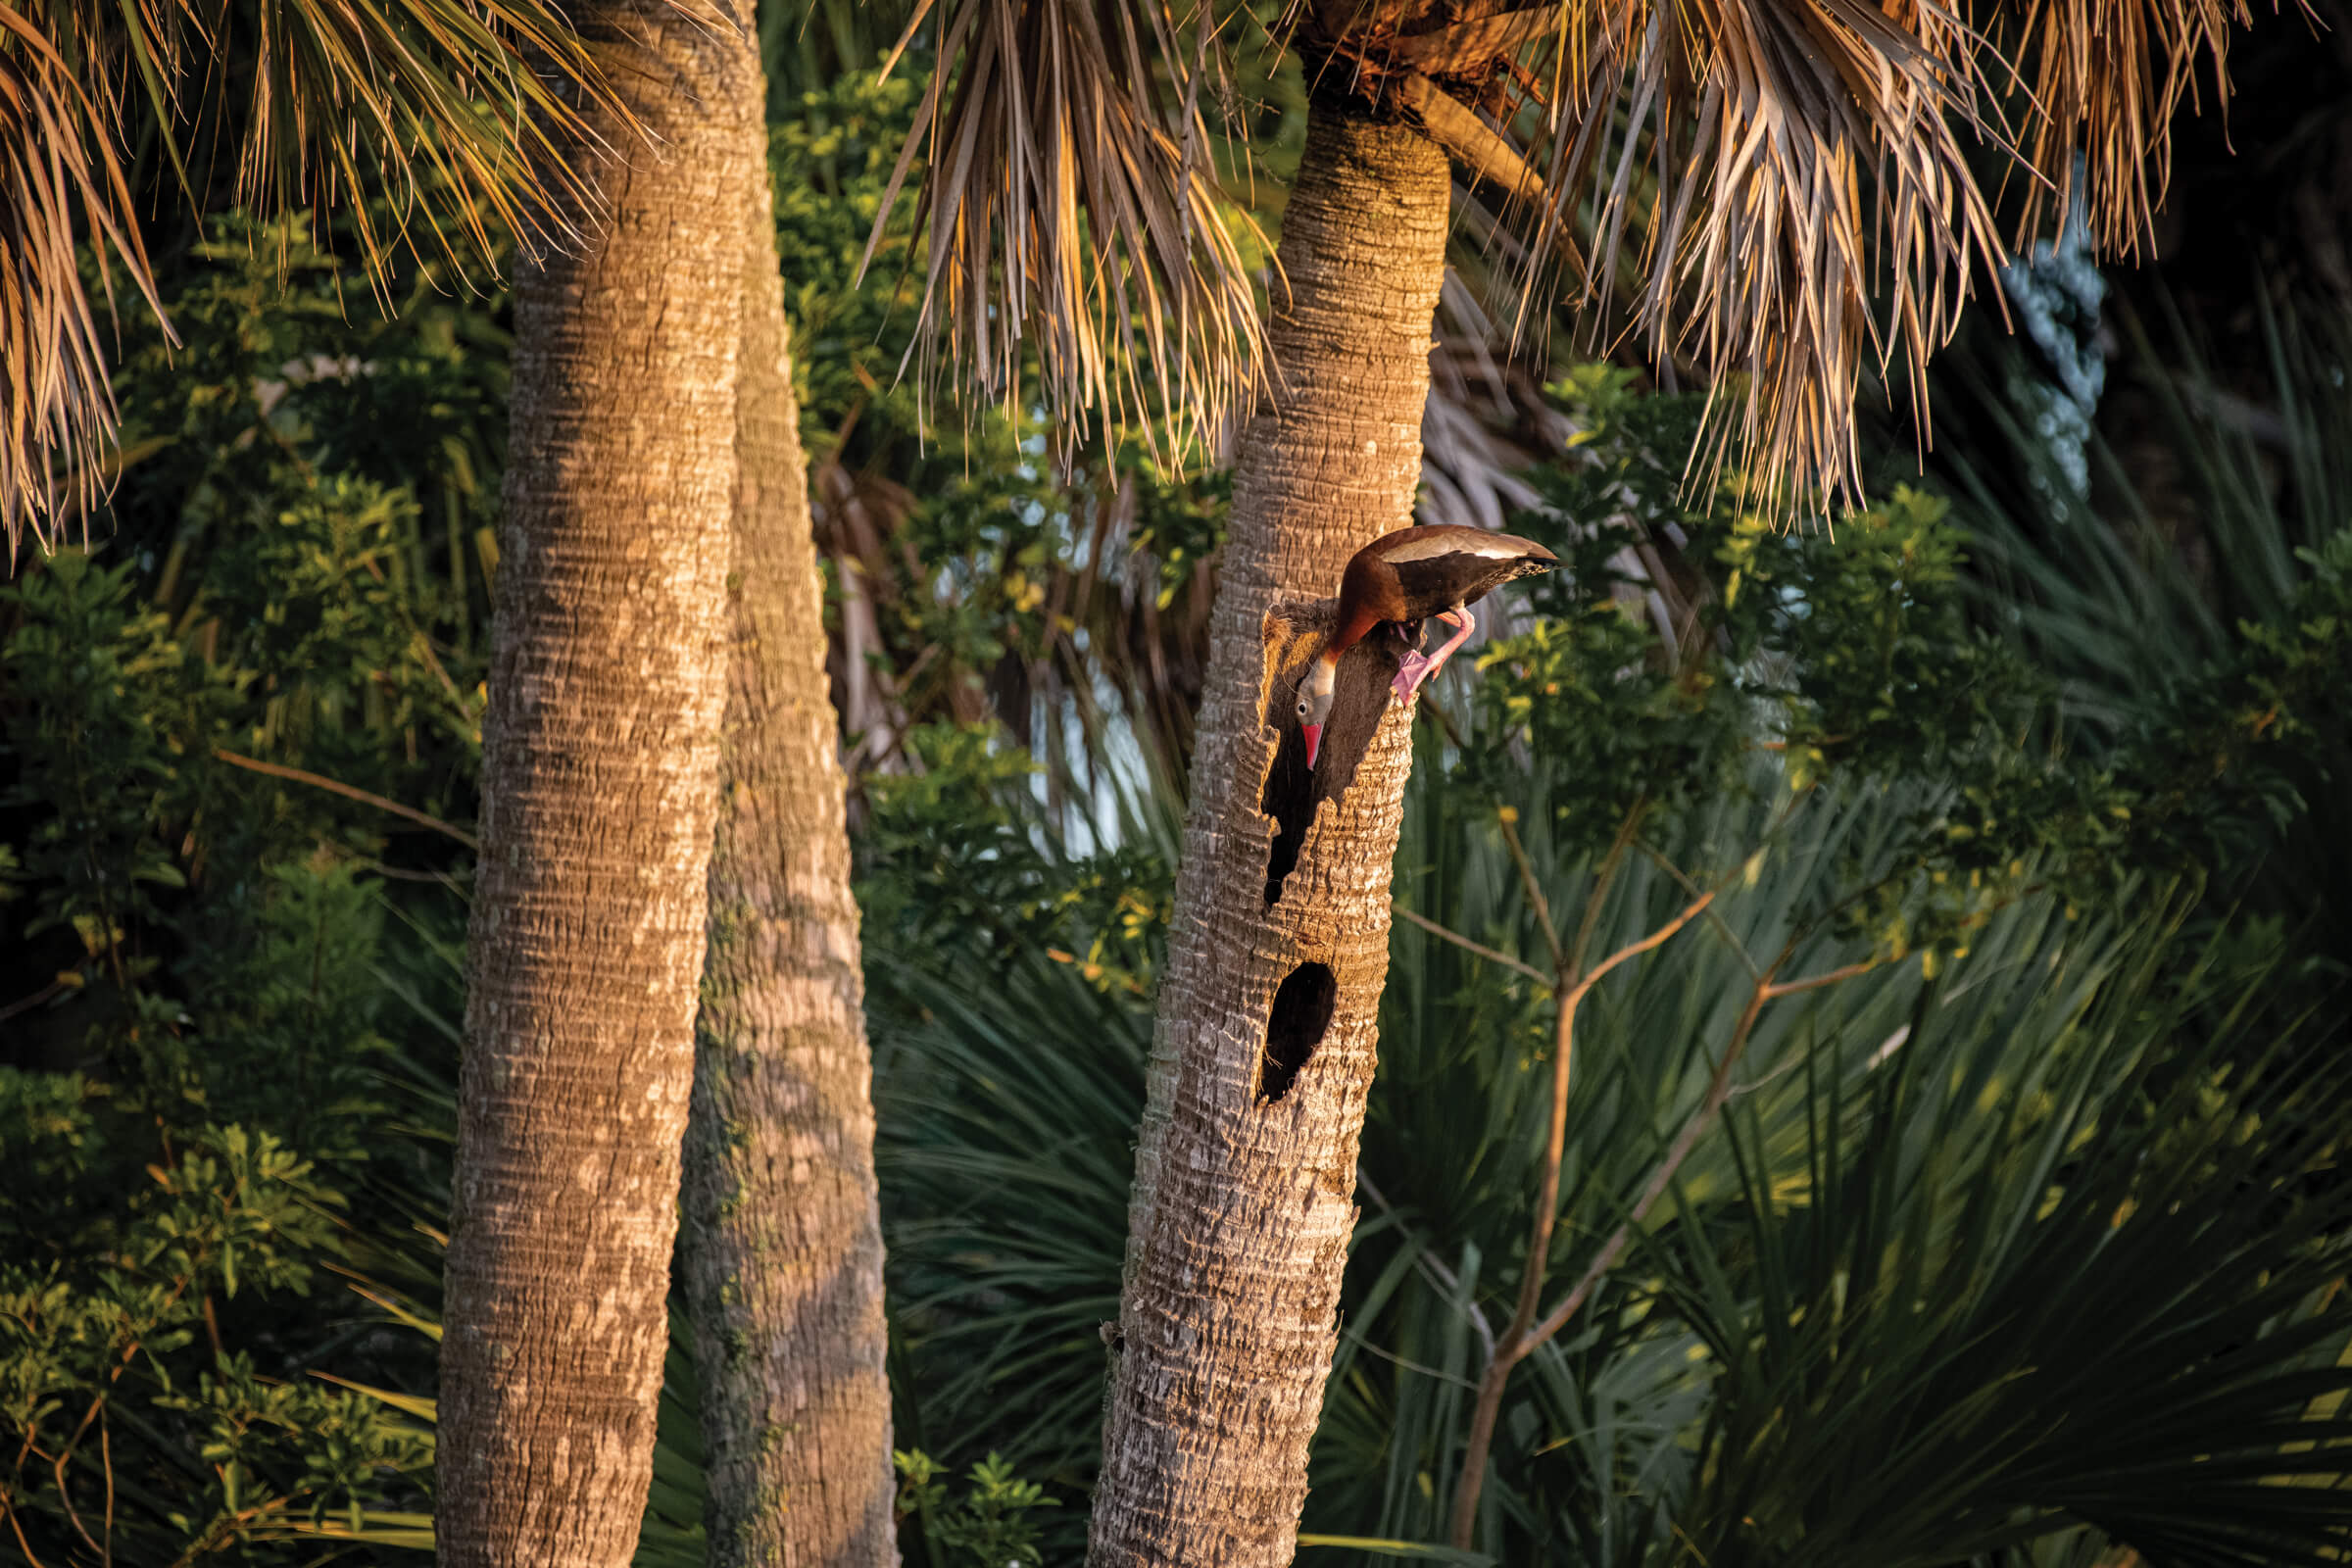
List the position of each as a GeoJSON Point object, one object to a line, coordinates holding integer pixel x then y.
{"type": "Point", "coordinates": [1263, 1054]}
{"type": "Point", "coordinates": [599, 784]}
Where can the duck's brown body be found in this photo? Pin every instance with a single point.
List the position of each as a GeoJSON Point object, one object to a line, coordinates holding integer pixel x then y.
{"type": "Point", "coordinates": [1415, 573]}
{"type": "Point", "coordinates": [1404, 578]}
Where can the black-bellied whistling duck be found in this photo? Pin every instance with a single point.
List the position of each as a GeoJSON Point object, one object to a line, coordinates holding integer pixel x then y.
{"type": "Point", "coordinates": [1406, 578]}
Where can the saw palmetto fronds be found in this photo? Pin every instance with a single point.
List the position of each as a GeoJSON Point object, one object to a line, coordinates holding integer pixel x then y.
{"type": "Point", "coordinates": [1070, 216]}
{"type": "Point", "coordinates": [435, 125]}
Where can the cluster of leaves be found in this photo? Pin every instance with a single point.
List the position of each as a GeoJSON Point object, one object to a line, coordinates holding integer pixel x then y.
{"type": "Point", "coordinates": [160, 1309]}
{"type": "Point", "coordinates": [988, 1527]}
{"type": "Point", "coordinates": [2241, 738]}
{"type": "Point", "coordinates": [1847, 656]}
{"type": "Point", "coordinates": [960, 853]}
{"type": "Point", "coordinates": [221, 1088]}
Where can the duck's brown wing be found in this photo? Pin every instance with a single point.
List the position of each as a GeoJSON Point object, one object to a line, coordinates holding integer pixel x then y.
{"type": "Point", "coordinates": [1444, 582]}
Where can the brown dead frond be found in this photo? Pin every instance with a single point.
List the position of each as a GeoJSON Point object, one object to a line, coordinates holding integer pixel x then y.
{"type": "Point", "coordinates": [2106, 80]}
{"type": "Point", "coordinates": [59, 179]}
{"type": "Point", "coordinates": [1069, 214]}
{"type": "Point", "coordinates": [437, 125]}
{"type": "Point", "coordinates": [1809, 201]}
{"type": "Point", "coordinates": [1774, 192]}
{"type": "Point", "coordinates": [1772, 170]}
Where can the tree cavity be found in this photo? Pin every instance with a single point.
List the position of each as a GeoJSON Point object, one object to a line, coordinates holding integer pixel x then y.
{"type": "Point", "coordinates": [1301, 1013]}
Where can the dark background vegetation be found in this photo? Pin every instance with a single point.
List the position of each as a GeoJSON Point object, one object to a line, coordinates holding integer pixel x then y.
{"type": "Point", "coordinates": [2050, 749]}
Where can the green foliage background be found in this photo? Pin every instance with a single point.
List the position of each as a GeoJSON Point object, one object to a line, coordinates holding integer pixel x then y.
{"type": "Point", "coordinates": [2001, 1247]}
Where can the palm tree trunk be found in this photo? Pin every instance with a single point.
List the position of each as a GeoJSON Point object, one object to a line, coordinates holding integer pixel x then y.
{"type": "Point", "coordinates": [1244, 1179]}
{"type": "Point", "coordinates": [783, 1242]}
{"type": "Point", "coordinates": [599, 793]}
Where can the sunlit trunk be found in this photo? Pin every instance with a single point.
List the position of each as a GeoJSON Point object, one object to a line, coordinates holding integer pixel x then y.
{"type": "Point", "coordinates": [1246, 1173]}
{"type": "Point", "coordinates": [599, 789]}
{"type": "Point", "coordinates": [783, 1242]}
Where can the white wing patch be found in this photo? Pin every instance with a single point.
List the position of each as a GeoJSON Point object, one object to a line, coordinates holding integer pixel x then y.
{"type": "Point", "coordinates": [1455, 542]}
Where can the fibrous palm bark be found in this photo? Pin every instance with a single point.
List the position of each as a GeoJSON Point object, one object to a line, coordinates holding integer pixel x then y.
{"type": "Point", "coordinates": [1246, 1173]}
{"type": "Point", "coordinates": [599, 786]}
{"type": "Point", "coordinates": [783, 1242]}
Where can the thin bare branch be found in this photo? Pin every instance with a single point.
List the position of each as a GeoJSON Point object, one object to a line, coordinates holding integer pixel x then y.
{"type": "Point", "coordinates": [1686, 1140]}
{"type": "Point", "coordinates": [348, 791]}
{"type": "Point", "coordinates": [1509, 820]}
{"type": "Point", "coordinates": [1790, 988]}
{"type": "Point", "coordinates": [1517, 1340]}
{"type": "Point", "coordinates": [1634, 949]}
{"type": "Point", "coordinates": [1715, 920]}
{"type": "Point", "coordinates": [1611, 864]}
{"type": "Point", "coordinates": [1491, 954]}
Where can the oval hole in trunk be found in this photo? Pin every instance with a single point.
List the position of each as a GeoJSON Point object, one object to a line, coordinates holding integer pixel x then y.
{"type": "Point", "coordinates": [1302, 1012]}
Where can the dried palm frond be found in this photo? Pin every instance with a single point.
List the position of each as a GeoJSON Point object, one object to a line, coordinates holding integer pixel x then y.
{"type": "Point", "coordinates": [1069, 213]}
{"type": "Point", "coordinates": [59, 177]}
{"type": "Point", "coordinates": [1776, 165]}
{"type": "Point", "coordinates": [2107, 79]}
{"type": "Point", "coordinates": [1769, 190]}
{"type": "Point", "coordinates": [453, 115]}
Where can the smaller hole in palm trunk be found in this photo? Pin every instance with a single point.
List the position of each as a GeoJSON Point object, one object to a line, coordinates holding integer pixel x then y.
{"type": "Point", "coordinates": [1302, 1012]}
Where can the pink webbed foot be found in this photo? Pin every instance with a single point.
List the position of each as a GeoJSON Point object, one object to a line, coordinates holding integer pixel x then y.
{"type": "Point", "coordinates": [1411, 671]}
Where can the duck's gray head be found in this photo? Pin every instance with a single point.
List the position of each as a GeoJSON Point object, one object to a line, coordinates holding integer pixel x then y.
{"type": "Point", "coordinates": [1315, 692]}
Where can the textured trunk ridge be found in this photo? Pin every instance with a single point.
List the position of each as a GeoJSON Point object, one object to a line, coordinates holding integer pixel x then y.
{"type": "Point", "coordinates": [783, 1246]}
{"type": "Point", "coordinates": [1244, 1197]}
{"type": "Point", "coordinates": [599, 772]}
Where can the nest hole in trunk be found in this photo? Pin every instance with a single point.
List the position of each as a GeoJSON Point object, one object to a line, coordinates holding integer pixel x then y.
{"type": "Point", "coordinates": [1302, 1008]}
{"type": "Point", "coordinates": [1288, 797]}
{"type": "Point", "coordinates": [1292, 790]}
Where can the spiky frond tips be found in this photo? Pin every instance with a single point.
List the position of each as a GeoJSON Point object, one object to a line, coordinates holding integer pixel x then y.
{"type": "Point", "coordinates": [2107, 78]}
{"type": "Point", "coordinates": [1068, 211]}
{"type": "Point", "coordinates": [1774, 188]}
{"type": "Point", "coordinates": [1767, 168]}
{"type": "Point", "coordinates": [433, 123]}
{"type": "Point", "coordinates": [59, 179]}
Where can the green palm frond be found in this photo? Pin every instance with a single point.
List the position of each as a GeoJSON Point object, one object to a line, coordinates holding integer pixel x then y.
{"type": "Point", "coordinates": [1071, 218]}
{"type": "Point", "coordinates": [438, 128]}
{"type": "Point", "coordinates": [1007, 1104]}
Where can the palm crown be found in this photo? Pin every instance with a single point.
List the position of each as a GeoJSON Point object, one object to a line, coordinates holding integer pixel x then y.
{"type": "Point", "coordinates": [431, 124]}
{"type": "Point", "coordinates": [1765, 190]}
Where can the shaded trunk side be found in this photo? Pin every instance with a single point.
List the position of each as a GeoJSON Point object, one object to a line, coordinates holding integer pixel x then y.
{"type": "Point", "coordinates": [783, 1242]}
{"type": "Point", "coordinates": [1244, 1180]}
{"type": "Point", "coordinates": [599, 790]}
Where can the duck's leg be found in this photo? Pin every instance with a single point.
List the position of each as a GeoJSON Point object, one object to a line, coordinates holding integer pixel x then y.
{"type": "Point", "coordinates": [1414, 670]}
{"type": "Point", "coordinates": [1454, 617]}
